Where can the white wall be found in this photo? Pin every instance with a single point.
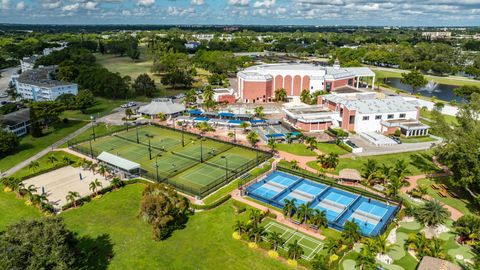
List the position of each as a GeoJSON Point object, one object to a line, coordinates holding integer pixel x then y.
{"type": "Point", "coordinates": [373, 125]}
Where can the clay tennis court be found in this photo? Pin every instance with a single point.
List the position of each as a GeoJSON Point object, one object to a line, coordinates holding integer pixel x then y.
{"type": "Point", "coordinates": [58, 183]}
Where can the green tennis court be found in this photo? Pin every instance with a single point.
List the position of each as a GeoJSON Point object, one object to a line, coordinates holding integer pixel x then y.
{"type": "Point", "coordinates": [176, 163]}
{"type": "Point", "coordinates": [311, 246]}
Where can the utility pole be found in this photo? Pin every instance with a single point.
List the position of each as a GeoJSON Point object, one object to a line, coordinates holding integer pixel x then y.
{"type": "Point", "coordinates": [91, 150]}
{"type": "Point", "coordinates": [226, 166]}
{"type": "Point", "coordinates": [201, 150]}
{"type": "Point", "coordinates": [92, 117]}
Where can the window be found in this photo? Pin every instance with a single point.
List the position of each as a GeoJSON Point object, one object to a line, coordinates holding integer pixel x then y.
{"type": "Point", "coordinates": [351, 120]}
{"type": "Point", "coordinates": [378, 117]}
{"type": "Point", "coordinates": [365, 118]}
{"type": "Point", "coordinates": [390, 116]}
{"type": "Point", "coordinates": [402, 115]}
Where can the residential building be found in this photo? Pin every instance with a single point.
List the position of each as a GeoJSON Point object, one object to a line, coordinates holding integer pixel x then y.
{"type": "Point", "coordinates": [16, 122]}
{"type": "Point", "coordinates": [359, 111]}
{"type": "Point", "coordinates": [437, 35]}
{"type": "Point", "coordinates": [258, 83]}
{"type": "Point", "coordinates": [40, 85]}
{"type": "Point", "coordinates": [28, 63]}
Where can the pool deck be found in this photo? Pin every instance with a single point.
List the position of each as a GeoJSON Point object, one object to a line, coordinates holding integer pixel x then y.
{"type": "Point", "coordinates": [280, 218]}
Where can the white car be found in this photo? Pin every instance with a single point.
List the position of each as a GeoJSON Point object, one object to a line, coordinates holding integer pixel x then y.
{"type": "Point", "coordinates": [3, 95]}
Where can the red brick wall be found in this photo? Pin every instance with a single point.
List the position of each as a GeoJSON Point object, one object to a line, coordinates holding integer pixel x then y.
{"type": "Point", "coordinates": [389, 130]}
{"type": "Point", "coordinates": [252, 90]}
{"type": "Point", "coordinates": [313, 126]}
{"type": "Point", "coordinates": [297, 85]}
{"type": "Point", "coordinates": [278, 82]}
{"type": "Point", "coordinates": [306, 83]}
{"type": "Point", "coordinates": [288, 85]}
{"type": "Point", "coordinates": [227, 98]}
{"type": "Point", "coordinates": [346, 120]}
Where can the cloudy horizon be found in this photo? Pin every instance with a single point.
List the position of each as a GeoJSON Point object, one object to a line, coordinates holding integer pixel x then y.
{"type": "Point", "coordinates": [244, 12]}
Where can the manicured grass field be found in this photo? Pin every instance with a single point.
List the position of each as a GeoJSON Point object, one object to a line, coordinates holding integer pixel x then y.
{"type": "Point", "coordinates": [14, 209]}
{"type": "Point", "coordinates": [298, 149]}
{"type": "Point", "coordinates": [328, 148]}
{"type": "Point", "coordinates": [448, 118]}
{"type": "Point", "coordinates": [101, 108]}
{"type": "Point", "coordinates": [100, 130]}
{"type": "Point", "coordinates": [416, 139]}
{"type": "Point", "coordinates": [205, 243]}
{"type": "Point", "coordinates": [418, 162]}
{"type": "Point", "coordinates": [29, 146]}
{"type": "Point", "coordinates": [452, 80]}
{"type": "Point", "coordinates": [179, 164]}
{"type": "Point", "coordinates": [44, 164]}
{"type": "Point", "coordinates": [126, 66]}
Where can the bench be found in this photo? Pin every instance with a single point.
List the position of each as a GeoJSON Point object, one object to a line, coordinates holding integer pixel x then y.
{"type": "Point", "coordinates": [442, 193]}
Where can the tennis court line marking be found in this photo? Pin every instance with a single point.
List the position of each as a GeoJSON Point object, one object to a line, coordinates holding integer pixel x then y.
{"type": "Point", "coordinates": [295, 233]}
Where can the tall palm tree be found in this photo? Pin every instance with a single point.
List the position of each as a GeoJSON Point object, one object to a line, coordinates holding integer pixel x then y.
{"type": "Point", "coordinates": [103, 169]}
{"type": "Point", "coordinates": [394, 185]}
{"type": "Point", "coordinates": [33, 165]}
{"type": "Point", "coordinates": [128, 113]}
{"type": "Point", "coordinates": [304, 212]}
{"type": "Point", "coordinates": [311, 143]}
{"type": "Point", "coordinates": [258, 232]}
{"type": "Point", "coordinates": [319, 218]}
{"type": "Point", "coordinates": [66, 160]}
{"type": "Point", "coordinates": [370, 169]}
{"type": "Point", "coordinates": [381, 244]}
{"type": "Point", "coordinates": [94, 185]}
{"type": "Point", "coordinates": [366, 258]}
{"type": "Point", "coordinates": [289, 207]}
{"type": "Point", "coordinates": [400, 168]}
{"type": "Point", "coordinates": [294, 250]}
{"type": "Point", "coordinates": [320, 262]}
{"type": "Point", "coordinates": [351, 232]}
{"type": "Point", "coordinates": [244, 125]}
{"type": "Point", "coordinates": [386, 171]}
{"type": "Point", "coordinates": [30, 190]}
{"type": "Point", "coordinates": [116, 183]}
{"type": "Point", "coordinates": [72, 198]}
{"type": "Point", "coordinates": [332, 161]}
{"type": "Point", "coordinates": [271, 143]}
{"type": "Point", "coordinates": [331, 246]}
{"type": "Point", "coordinates": [252, 138]}
{"type": "Point", "coordinates": [275, 239]}
{"type": "Point", "coordinates": [432, 213]}
{"type": "Point", "coordinates": [255, 216]}
{"type": "Point", "coordinates": [52, 159]}
{"type": "Point", "coordinates": [92, 166]}
{"type": "Point", "coordinates": [240, 226]}
{"type": "Point", "coordinates": [259, 111]}
{"type": "Point", "coordinates": [294, 163]}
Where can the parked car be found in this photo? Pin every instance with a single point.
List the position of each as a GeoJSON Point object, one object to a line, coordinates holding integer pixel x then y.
{"type": "Point", "coordinates": [3, 95]}
{"type": "Point", "coordinates": [131, 104]}
{"type": "Point", "coordinates": [396, 139]}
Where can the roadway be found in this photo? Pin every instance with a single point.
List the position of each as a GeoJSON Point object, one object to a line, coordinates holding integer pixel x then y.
{"type": "Point", "coordinates": [5, 75]}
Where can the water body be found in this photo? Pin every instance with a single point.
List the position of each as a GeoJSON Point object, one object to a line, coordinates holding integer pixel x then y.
{"type": "Point", "coordinates": [441, 91]}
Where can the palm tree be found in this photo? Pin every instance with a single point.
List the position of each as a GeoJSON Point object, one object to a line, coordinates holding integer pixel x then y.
{"type": "Point", "coordinates": [275, 239]}
{"type": "Point", "coordinates": [432, 213]}
{"type": "Point", "coordinates": [231, 135]}
{"type": "Point", "coordinates": [33, 165]}
{"type": "Point", "coordinates": [400, 168]}
{"type": "Point", "coordinates": [319, 218]}
{"type": "Point", "coordinates": [305, 97]}
{"type": "Point", "coordinates": [116, 183]}
{"type": "Point", "coordinates": [394, 185]}
{"type": "Point", "coordinates": [72, 198]}
{"type": "Point", "coordinates": [258, 232]}
{"type": "Point", "coordinates": [320, 262]}
{"type": "Point", "coordinates": [386, 171]}
{"type": "Point", "coordinates": [66, 160]}
{"type": "Point", "coordinates": [294, 163]}
{"type": "Point", "coordinates": [366, 258]}
{"type": "Point", "coordinates": [252, 138]}
{"type": "Point", "coordinates": [190, 96]}
{"type": "Point", "coordinates": [311, 143]}
{"type": "Point", "coordinates": [351, 232]}
{"type": "Point", "coordinates": [370, 169]}
{"type": "Point", "coordinates": [381, 244]}
{"type": "Point", "coordinates": [288, 137]}
{"type": "Point", "coordinates": [92, 166]}
{"type": "Point", "coordinates": [94, 185]}
{"type": "Point", "coordinates": [103, 169]}
{"type": "Point", "coordinates": [332, 161]}
{"type": "Point", "coordinates": [280, 94]}
{"type": "Point", "coordinates": [259, 111]}
{"type": "Point", "coordinates": [161, 117]}
{"type": "Point", "coordinates": [30, 191]}
{"type": "Point", "coordinates": [289, 207]}
{"type": "Point", "coordinates": [244, 125]}
{"type": "Point", "coordinates": [294, 250]}
{"type": "Point", "coordinates": [52, 159]}
{"type": "Point", "coordinates": [255, 216]}
{"type": "Point", "coordinates": [423, 190]}
{"type": "Point", "coordinates": [331, 246]}
{"type": "Point", "coordinates": [271, 143]}
{"type": "Point", "coordinates": [304, 212]}
{"type": "Point", "coordinates": [128, 113]}
{"type": "Point", "coordinates": [240, 226]}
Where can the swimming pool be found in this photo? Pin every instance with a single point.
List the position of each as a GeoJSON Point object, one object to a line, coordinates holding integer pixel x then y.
{"type": "Point", "coordinates": [371, 215]}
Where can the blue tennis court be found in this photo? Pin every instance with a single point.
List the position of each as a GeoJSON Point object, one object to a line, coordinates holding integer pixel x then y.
{"type": "Point", "coordinates": [371, 215]}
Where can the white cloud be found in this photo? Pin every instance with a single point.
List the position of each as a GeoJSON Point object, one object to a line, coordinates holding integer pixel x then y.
{"type": "Point", "coordinates": [264, 4]}
{"type": "Point", "coordinates": [145, 3]}
{"type": "Point", "coordinates": [5, 4]}
{"type": "Point", "coordinates": [51, 4]}
{"type": "Point", "coordinates": [177, 11]}
{"type": "Point", "coordinates": [197, 2]}
{"type": "Point", "coordinates": [73, 7]}
{"type": "Point", "coordinates": [238, 2]}
{"type": "Point", "coordinates": [21, 5]}
{"type": "Point", "coordinates": [91, 5]}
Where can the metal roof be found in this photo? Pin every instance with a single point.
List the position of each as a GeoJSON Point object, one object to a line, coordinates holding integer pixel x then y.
{"type": "Point", "coordinates": [16, 117]}
{"type": "Point", "coordinates": [162, 105]}
{"type": "Point", "coordinates": [118, 162]}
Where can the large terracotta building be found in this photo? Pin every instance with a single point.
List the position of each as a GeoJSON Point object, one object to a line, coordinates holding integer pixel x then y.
{"type": "Point", "coordinates": [258, 83]}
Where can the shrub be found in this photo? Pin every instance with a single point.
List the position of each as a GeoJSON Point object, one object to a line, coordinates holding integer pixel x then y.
{"type": "Point", "coordinates": [397, 133]}
{"type": "Point", "coordinates": [292, 263]}
{"type": "Point", "coordinates": [252, 245]}
{"type": "Point", "coordinates": [273, 254]}
{"type": "Point", "coordinates": [236, 236]}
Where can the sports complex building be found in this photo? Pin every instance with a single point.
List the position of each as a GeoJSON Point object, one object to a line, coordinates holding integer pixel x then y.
{"type": "Point", "coordinates": [258, 83]}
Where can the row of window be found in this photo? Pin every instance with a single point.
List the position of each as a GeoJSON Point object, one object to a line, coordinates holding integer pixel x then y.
{"type": "Point", "coordinates": [389, 116]}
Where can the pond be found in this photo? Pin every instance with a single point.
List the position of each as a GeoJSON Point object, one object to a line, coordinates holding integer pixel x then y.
{"type": "Point", "coordinates": [441, 91]}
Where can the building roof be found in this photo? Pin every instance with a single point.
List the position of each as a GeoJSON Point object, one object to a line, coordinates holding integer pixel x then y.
{"type": "Point", "coordinates": [350, 174]}
{"type": "Point", "coordinates": [429, 263]}
{"type": "Point", "coordinates": [118, 162]}
{"type": "Point", "coordinates": [41, 77]}
{"type": "Point", "coordinates": [16, 117]}
{"type": "Point", "coordinates": [371, 103]}
{"type": "Point", "coordinates": [162, 105]}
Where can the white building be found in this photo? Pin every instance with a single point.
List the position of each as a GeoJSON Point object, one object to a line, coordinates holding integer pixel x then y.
{"type": "Point", "coordinates": [16, 122]}
{"type": "Point", "coordinates": [38, 85]}
{"type": "Point", "coordinates": [28, 63]}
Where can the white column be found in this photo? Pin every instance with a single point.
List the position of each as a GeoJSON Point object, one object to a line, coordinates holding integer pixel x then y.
{"type": "Point", "coordinates": [358, 81]}
{"type": "Point", "coordinates": [373, 83]}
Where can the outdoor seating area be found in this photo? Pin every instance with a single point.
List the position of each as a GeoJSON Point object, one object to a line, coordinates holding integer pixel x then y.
{"type": "Point", "coordinates": [443, 191]}
{"type": "Point", "coordinates": [277, 132]}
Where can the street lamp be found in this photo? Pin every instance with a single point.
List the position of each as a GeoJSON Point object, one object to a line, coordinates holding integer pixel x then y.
{"type": "Point", "coordinates": [92, 118]}
{"type": "Point", "coordinates": [156, 163]}
{"type": "Point", "coordinates": [91, 150]}
{"type": "Point", "coordinates": [201, 150]}
{"type": "Point", "coordinates": [136, 127]}
{"type": "Point", "coordinates": [226, 166]}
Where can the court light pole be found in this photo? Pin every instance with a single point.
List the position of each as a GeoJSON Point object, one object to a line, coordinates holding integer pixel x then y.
{"type": "Point", "coordinates": [91, 150]}
{"type": "Point", "coordinates": [92, 118]}
{"type": "Point", "coordinates": [149, 149]}
{"type": "Point", "coordinates": [136, 127]}
{"type": "Point", "coordinates": [183, 136]}
{"type": "Point", "coordinates": [156, 164]}
{"type": "Point", "coordinates": [226, 166]}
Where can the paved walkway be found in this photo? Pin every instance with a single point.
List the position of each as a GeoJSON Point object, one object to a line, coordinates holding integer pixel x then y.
{"type": "Point", "coordinates": [280, 218]}
{"type": "Point", "coordinates": [45, 151]}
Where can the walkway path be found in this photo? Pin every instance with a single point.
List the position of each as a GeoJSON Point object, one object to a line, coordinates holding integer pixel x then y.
{"type": "Point", "coordinates": [280, 218]}
{"type": "Point", "coordinates": [45, 151]}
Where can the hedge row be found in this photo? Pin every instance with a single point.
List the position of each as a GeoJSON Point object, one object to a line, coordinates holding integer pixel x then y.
{"type": "Point", "coordinates": [212, 205]}
{"type": "Point", "coordinates": [345, 146]}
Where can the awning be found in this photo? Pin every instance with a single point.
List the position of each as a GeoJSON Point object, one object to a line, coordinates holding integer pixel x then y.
{"type": "Point", "coordinates": [257, 121]}
{"type": "Point", "coordinates": [195, 112]}
{"type": "Point", "coordinates": [226, 114]}
{"type": "Point", "coordinates": [235, 122]}
{"type": "Point", "coordinates": [118, 162]}
{"type": "Point", "coordinates": [201, 119]}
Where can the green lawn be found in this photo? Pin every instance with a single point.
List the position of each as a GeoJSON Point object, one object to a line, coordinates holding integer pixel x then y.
{"type": "Point", "coordinates": [101, 108]}
{"type": "Point", "coordinates": [30, 146]}
{"type": "Point", "coordinates": [205, 243]}
{"type": "Point", "coordinates": [328, 148]}
{"type": "Point", "coordinates": [13, 209]}
{"type": "Point", "coordinates": [100, 130]}
{"type": "Point", "coordinates": [393, 73]}
{"type": "Point", "coordinates": [416, 139]}
{"type": "Point", "coordinates": [448, 118]}
{"type": "Point", "coordinates": [298, 149]}
{"type": "Point", "coordinates": [44, 164]}
{"type": "Point", "coordinates": [463, 203]}
{"type": "Point", "coordinates": [418, 162]}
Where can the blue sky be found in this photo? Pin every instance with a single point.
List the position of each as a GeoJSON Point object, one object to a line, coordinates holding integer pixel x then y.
{"type": "Point", "coordinates": [272, 12]}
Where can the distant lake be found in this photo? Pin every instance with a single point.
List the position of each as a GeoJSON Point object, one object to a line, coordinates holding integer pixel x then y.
{"type": "Point", "coordinates": [441, 91]}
